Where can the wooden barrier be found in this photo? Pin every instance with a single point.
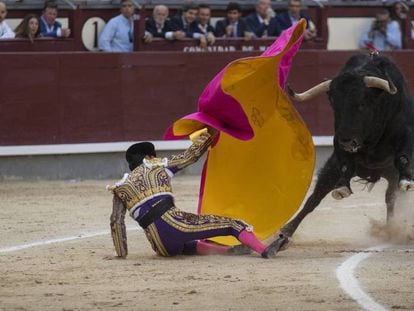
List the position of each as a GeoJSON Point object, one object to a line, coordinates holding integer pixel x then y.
{"type": "Point", "coordinates": [62, 98]}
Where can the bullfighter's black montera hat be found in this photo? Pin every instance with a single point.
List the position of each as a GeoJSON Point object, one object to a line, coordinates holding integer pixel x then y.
{"type": "Point", "coordinates": [137, 152]}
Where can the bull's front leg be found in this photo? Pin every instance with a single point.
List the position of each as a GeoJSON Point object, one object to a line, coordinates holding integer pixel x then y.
{"type": "Point", "coordinates": [347, 171]}
{"type": "Point", "coordinates": [403, 161]}
{"type": "Point", "coordinates": [327, 179]}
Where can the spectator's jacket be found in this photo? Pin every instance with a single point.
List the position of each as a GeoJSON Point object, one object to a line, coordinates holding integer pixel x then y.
{"type": "Point", "coordinates": [54, 31]}
{"type": "Point", "coordinates": [256, 25]}
{"type": "Point", "coordinates": [241, 28]}
{"type": "Point", "coordinates": [285, 22]}
{"type": "Point", "coordinates": [158, 32]}
{"type": "Point", "coordinates": [204, 31]}
{"type": "Point", "coordinates": [274, 29]}
{"type": "Point", "coordinates": [5, 31]}
{"type": "Point", "coordinates": [178, 23]}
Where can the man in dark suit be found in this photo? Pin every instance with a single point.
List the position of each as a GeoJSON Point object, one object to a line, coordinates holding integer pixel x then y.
{"type": "Point", "coordinates": [186, 22]}
{"type": "Point", "coordinates": [294, 13]}
{"type": "Point", "coordinates": [262, 23]}
{"type": "Point", "coordinates": [204, 31]}
{"type": "Point", "coordinates": [159, 26]}
{"type": "Point", "coordinates": [49, 26]}
{"type": "Point", "coordinates": [233, 26]}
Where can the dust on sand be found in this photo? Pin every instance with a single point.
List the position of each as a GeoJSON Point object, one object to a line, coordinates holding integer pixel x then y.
{"type": "Point", "coordinates": [72, 275]}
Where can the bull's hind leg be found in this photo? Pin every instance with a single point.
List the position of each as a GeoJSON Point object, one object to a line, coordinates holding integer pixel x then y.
{"type": "Point", "coordinates": [327, 179]}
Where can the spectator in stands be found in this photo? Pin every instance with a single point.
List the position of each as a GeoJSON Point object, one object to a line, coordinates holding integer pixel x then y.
{"type": "Point", "coordinates": [204, 31]}
{"type": "Point", "coordinates": [384, 34]}
{"type": "Point", "coordinates": [187, 21]}
{"type": "Point", "coordinates": [28, 28]}
{"type": "Point", "coordinates": [49, 26]}
{"type": "Point", "coordinates": [159, 26]}
{"type": "Point", "coordinates": [118, 34]}
{"type": "Point", "coordinates": [233, 26]}
{"type": "Point", "coordinates": [5, 30]}
{"type": "Point", "coordinates": [294, 13]}
{"type": "Point", "coordinates": [398, 11]}
{"type": "Point", "coordinates": [262, 22]}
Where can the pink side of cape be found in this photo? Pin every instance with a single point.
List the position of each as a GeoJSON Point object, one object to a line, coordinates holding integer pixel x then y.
{"type": "Point", "coordinates": [229, 116]}
{"type": "Point", "coordinates": [221, 111]}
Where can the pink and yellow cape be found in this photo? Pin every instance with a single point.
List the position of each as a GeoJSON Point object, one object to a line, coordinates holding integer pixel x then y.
{"type": "Point", "coordinates": [262, 163]}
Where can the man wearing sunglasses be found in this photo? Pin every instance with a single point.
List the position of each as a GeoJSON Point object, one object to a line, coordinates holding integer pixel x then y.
{"type": "Point", "coordinates": [118, 34]}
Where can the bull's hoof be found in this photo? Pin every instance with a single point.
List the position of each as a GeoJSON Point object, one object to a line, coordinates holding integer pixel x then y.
{"type": "Point", "coordinates": [276, 246]}
{"type": "Point", "coordinates": [406, 185]}
{"type": "Point", "coordinates": [341, 192]}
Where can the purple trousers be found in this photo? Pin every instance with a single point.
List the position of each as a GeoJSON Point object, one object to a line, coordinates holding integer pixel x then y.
{"type": "Point", "coordinates": [176, 232]}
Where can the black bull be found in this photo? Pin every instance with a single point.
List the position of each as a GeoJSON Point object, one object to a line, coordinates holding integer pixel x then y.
{"type": "Point", "coordinates": [374, 132]}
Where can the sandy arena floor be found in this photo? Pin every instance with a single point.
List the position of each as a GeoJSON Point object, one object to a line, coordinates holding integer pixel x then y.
{"type": "Point", "coordinates": [71, 274]}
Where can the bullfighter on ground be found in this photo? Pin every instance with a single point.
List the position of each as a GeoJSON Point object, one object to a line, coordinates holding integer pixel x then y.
{"type": "Point", "coordinates": [147, 194]}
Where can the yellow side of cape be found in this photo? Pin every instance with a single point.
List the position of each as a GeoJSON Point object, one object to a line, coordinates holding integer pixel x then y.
{"type": "Point", "coordinates": [264, 180]}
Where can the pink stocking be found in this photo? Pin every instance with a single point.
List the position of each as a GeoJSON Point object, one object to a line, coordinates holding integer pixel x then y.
{"type": "Point", "coordinates": [249, 239]}
{"type": "Point", "coordinates": [206, 248]}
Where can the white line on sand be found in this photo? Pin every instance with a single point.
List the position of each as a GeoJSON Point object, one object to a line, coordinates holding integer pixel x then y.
{"type": "Point", "coordinates": [59, 240]}
{"type": "Point", "coordinates": [345, 275]}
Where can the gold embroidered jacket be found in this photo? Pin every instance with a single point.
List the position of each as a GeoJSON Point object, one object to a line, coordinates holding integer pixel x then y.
{"type": "Point", "coordinates": [150, 179]}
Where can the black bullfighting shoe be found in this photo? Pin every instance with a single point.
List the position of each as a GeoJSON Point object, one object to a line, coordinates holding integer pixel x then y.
{"type": "Point", "coordinates": [275, 246]}
{"type": "Point", "coordinates": [239, 250]}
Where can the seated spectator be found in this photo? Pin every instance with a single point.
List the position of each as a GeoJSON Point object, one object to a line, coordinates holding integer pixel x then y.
{"type": "Point", "coordinates": [49, 26]}
{"type": "Point", "coordinates": [233, 26]}
{"type": "Point", "coordinates": [398, 11]}
{"type": "Point", "coordinates": [294, 13]}
{"type": "Point", "coordinates": [384, 33]}
{"type": "Point", "coordinates": [186, 22]}
{"type": "Point", "coordinates": [118, 34]}
{"type": "Point", "coordinates": [159, 26]}
{"type": "Point", "coordinates": [5, 30]}
{"type": "Point", "coordinates": [204, 31]}
{"type": "Point", "coordinates": [28, 28]}
{"type": "Point", "coordinates": [262, 22]}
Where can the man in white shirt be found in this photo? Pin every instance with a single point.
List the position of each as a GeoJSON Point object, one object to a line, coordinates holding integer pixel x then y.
{"type": "Point", "coordinates": [5, 31]}
{"type": "Point", "coordinates": [118, 34]}
{"type": "Point", "coordinates": [384, 33]}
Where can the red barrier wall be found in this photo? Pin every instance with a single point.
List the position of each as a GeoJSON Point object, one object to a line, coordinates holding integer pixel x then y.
{"type": "Point", "coordinates": [54, 98]}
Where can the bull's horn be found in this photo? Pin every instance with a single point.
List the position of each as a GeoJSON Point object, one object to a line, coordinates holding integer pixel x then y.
{"type": "Point", "coordinates": [312, 92]}
{"type": "Point", "coordinates": [381, 84]}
